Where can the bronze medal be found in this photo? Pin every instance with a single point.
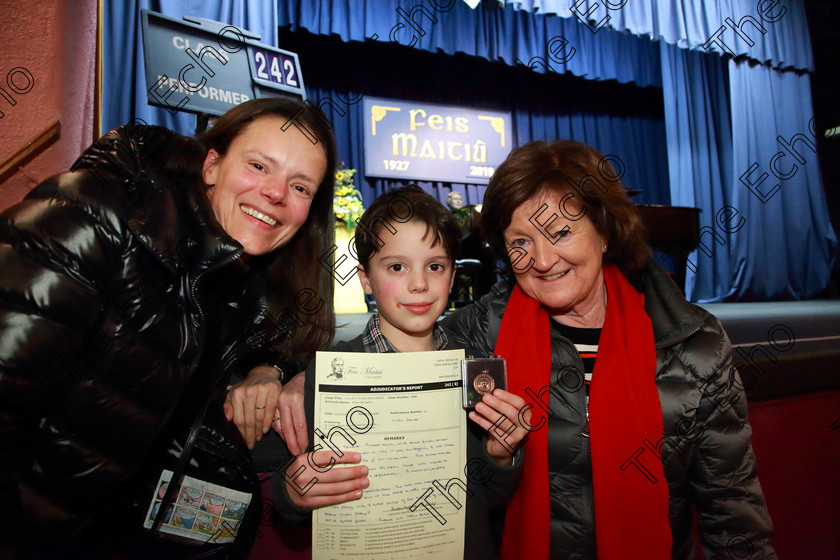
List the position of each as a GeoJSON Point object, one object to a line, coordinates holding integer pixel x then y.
{"type": "Point", "coordinates": [484, 382]}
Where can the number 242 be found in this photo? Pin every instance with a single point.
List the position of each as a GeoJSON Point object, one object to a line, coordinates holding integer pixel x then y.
{"type": "Point", "coordinates": [274, 69]}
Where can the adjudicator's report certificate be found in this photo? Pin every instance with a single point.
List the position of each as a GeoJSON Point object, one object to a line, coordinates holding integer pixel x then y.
{"type": "Point", "coordinates": [403, 413]}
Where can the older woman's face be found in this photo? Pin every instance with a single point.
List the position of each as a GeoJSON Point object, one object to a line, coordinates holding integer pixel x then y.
{"type": "Point", "coordinates": [565, 276]}
{"type": "Point", "coordinates": [261, 190]}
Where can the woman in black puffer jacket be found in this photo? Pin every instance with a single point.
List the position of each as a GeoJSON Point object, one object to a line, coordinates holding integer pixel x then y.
{"type": "Point", "coordinates": [646, 416]}
{"type": "Point", "coordinates": [131, 290]}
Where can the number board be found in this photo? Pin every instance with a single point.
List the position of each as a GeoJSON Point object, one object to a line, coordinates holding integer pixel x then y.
{"type": "Point", "coordinates": [206, 66]}
{"type": "Point", "coordinates": [428, 142]}
{"type": "Point", "coordinates": [272, 68]}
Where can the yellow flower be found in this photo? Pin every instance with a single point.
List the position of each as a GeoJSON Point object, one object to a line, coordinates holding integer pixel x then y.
{"type": "Point", "coordinates": [347, 201]}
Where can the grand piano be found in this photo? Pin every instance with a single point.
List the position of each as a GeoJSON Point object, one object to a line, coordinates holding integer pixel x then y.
{"type": "Point", "coordinates": [670, 229]}
{"type": "Point", "coordinates": [674, 230]}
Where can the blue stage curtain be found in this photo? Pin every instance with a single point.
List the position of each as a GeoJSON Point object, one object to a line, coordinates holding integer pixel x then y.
{"type": "Point", "coordinates": [697, 120]}
{"type": "Point", "coordinates": [637, 141]}
{"type": "Point", "coordinates": [570, 110]}
{"type": "Point", "coordinates": [621, 120]}
{"type": "Point", "coordinates": [784, 43]}
{"type": "Point", "coordinates": [497, 35]}
{"type": "Point", "coordinates": [124, 88]}
{"type": "Point", "coordinates": [781, 249]}
{"type": "Point", "coordinates": [786, 248]}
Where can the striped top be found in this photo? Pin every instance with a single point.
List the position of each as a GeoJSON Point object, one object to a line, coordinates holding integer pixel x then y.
{"type": "Point", "coordinates": [586, 344]}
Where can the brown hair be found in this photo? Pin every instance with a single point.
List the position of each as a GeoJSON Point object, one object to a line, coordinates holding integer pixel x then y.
{"type": "Point", "coordinates": [406, 204]}
{"type": "Point", "coordinates": [582, 174]}
{"type": "Point", "coordinates": [295, 266]}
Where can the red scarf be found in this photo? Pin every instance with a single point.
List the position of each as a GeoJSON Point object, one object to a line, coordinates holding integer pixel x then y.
{"type": "Point", "coordinates": [631, 513]}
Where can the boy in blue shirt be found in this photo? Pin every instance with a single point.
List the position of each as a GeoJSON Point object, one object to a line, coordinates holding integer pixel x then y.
{"type": "Point", "coordinates": [406, 245]}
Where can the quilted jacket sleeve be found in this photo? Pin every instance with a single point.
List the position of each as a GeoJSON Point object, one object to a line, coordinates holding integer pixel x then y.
{"type": "Point", "coordinates": [57, 252]}
{"type": "Point", "coordinates": [469, 325]}
{"type": "Point", "coordinates": [731, 510]}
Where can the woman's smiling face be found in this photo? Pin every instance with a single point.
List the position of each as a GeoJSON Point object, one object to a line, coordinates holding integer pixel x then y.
{"type": "Point", "coordinates": [261, 189]}
{"type": "Point", "coordinates": [566, 276]}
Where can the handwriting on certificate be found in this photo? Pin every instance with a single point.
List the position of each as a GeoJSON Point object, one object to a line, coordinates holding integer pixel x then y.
{"type": "Point", "coordinates": [410, 429]}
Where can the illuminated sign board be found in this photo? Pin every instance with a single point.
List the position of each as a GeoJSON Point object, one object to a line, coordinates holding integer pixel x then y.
{"type": "Point", "coordinates": [206, 66]}
{"type": "Point", "coordinates": [427, 142]}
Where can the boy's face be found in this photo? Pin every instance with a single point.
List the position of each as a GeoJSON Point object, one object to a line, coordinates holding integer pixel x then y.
{"type": "Point", "coordinates": [410, 280]}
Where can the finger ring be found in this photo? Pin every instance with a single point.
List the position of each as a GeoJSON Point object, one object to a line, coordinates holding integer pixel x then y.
{"type": "Point", "coordinates": [277, 419]}
{"type": "Point", "coordinates": [259, 407]}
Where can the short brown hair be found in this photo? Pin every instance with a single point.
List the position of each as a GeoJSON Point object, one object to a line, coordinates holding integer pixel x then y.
{"type": "Point", "coordinates": [566, 167]}
{"type": "Point", "coordinates": [402, 205]}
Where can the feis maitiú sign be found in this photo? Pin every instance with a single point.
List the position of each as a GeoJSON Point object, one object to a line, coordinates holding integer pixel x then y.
{"type": "Point", "coordinates": [426, 142]}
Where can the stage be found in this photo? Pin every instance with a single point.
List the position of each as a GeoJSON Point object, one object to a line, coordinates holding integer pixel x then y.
{"type": "Point", "coordinates": [787, 354]}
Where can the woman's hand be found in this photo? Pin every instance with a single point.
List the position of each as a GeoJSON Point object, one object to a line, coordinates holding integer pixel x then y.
{"type": "Point", "coordinates": [335, 486]}
{"type": "Point", "coordinates": [498, 414]}
{"type": "Point", "coordinates": [252, 404]}
{"type": "Point", "coordinates": [292, 424]}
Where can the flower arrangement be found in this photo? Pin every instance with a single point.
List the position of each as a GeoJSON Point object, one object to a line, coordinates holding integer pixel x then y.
{"type": "Point", "coordinates": [347, 201]}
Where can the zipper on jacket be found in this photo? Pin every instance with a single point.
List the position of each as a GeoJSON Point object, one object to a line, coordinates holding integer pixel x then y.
{"type": "Point", "coordinates": [583, 372]}
{"type": "Point", "coordinates": [667, 343]}
{"type": "Point", "coordinates": [193, 287]}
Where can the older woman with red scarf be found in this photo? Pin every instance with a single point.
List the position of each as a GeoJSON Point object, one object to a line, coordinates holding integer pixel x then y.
{"type": "Point", "coordinates": [638, 416]}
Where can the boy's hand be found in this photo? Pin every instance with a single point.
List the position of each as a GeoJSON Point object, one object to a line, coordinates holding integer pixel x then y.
{"type": "Point", "coordinates": [292, 423]}
{"type": "Point", "coordinates": [335, 486]}
{"type": "Point", "coordinates": [498, 414]}
{"type": "Point", "coordinates": [252, 404]}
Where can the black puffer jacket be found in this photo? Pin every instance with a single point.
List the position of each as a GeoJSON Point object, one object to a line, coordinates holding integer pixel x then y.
{"type": "Point", "coordinates": [112, 278]}
{"type": "Point", "coordinates": [706, 451]}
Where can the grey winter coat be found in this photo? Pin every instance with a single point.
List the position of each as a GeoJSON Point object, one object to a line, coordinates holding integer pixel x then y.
{"type": "Point", "coordinates": [706, 450]}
